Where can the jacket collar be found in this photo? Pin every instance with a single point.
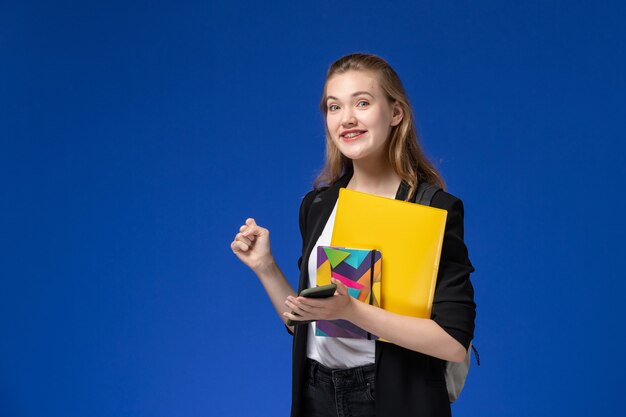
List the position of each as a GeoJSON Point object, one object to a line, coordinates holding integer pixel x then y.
{"type": "Point", "coordinates": [332, 192]}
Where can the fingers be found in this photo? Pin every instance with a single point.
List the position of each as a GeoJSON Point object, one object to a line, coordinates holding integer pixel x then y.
{"type": "Point", "coordinates": [301, 305]}
{"type": "Point", "coordinates": [341, 288]}
{"type": "Point", "coordinates": [238, 246]}
{"type": "Point", "coordinates": [293, 316]}
{"type": "Point", "coordinates": [250, 229]}
{"type": "Point", "coordinates": [310, 304]}
{"type": "Point", "coordinates": [241, 243]}
{"type": "Point", "coordinates": [315, 309]}
{"type": "Point", "coordinates": [293, 307]}
{"type": "Point", "coordinates": [241, 238]}
{"type": "Point", "coordinates": [246, 236]}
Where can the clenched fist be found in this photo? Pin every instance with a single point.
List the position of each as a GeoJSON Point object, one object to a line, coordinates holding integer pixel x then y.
{"type": "Point", "coordinates": [252, 246]}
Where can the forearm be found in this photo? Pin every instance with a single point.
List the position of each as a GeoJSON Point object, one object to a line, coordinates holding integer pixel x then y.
{"type": "Point", "coordinates": [420, 335]}
{"type": "Point", "coordinates": [276, 286]}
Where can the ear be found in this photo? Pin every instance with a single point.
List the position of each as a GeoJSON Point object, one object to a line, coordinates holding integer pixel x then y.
{"type": "Point", "coordinates": [397, 114]}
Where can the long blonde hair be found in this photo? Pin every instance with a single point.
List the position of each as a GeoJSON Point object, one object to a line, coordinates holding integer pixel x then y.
{"type": "Point", "coordinates": [404, 151]}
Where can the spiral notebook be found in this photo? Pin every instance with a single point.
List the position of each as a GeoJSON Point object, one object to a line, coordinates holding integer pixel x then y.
{"type": "Point", "coordinates": [360, 271]}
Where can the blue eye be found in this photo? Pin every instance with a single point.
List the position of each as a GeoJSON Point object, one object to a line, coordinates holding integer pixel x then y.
{"type": "Point", "coordinates": [362, 103]}
{"type": "Point", "coordinates": [333, 107]}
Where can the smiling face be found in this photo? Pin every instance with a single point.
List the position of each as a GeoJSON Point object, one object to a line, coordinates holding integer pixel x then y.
{"type": "Point", "coordinates": [359, 116]}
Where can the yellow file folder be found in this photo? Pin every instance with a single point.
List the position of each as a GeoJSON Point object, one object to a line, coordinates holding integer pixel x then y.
{"type": "Point", "coordinates": [408, 235]}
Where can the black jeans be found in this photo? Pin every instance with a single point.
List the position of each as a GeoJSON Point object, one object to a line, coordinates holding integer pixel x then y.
{"type": "Point", "coordinates": [339, 392]}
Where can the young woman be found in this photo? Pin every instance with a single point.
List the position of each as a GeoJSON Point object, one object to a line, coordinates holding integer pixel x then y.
{"type": "Point", "coordinates": [372, 147]}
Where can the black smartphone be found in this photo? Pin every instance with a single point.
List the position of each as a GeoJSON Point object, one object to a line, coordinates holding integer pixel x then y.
{"type": "Point", "coordinates": [323, 291]}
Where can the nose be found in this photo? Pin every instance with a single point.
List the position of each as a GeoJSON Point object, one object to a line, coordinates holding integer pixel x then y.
{"type": "Point", "coordinates": [348, 118]}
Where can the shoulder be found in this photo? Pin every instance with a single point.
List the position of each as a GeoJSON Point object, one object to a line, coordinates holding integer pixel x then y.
{"type": "Point", "coordinates": [444, 200]}
{"type": "Point", "coordinates": [322, 193]}
{"type": "Point", "coordinates": [456, 212]}
{"type": "Point", "coordinates": [309, 198]}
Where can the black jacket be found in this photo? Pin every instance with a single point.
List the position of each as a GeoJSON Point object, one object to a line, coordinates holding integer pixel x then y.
{"type": "Point", "coordinates": [407, 383]}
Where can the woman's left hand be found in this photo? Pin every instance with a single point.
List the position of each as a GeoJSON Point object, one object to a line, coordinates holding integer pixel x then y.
{"type": "Point", "coordinates": [331, 308]}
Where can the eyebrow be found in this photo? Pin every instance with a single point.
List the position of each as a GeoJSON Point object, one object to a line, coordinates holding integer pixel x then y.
{"type": "Point", "coordinates": [358, 93]}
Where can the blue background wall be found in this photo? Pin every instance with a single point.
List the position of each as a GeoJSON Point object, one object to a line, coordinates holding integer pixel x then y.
{"type": "Point", "coordinates": [136, 138]}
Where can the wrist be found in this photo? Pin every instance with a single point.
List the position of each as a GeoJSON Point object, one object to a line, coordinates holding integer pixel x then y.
{"type": "Point", "coordinates": [266, 268]}
{"type": "Point", "coordinates": [351, 310]}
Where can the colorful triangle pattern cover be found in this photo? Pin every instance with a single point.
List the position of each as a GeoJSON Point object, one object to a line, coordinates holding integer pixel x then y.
{"type": "Point", "coordinates": [360, 271]}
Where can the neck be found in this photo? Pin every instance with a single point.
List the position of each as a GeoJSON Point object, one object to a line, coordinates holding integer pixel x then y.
{"type": "Point", "coordinates": [374, 178]}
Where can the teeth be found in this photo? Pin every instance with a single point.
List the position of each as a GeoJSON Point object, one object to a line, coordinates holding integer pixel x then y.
{"type": "Point", "coordinates": [353, 134]}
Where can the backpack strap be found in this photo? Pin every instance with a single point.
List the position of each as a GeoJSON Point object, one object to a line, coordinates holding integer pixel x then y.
{"type": "Point", "coordinates": [424, 196]}
{"type": "Point", "coordinates": [455, 372]}
{"type": "Point", "coordinates": [425, 192]}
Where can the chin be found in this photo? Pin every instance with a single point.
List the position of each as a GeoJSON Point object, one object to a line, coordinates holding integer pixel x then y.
{"type": "Point", "coordinates": [356, 153]}
{"type": "Point", "coordinates": [352, 155]}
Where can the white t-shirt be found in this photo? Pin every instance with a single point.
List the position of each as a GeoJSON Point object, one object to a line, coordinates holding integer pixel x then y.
{"type": "Point", "coordinates": [334, 352]}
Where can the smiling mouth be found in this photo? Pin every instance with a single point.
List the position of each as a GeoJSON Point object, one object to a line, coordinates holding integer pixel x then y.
{"type": "Point", "coordinates": [352, 136]}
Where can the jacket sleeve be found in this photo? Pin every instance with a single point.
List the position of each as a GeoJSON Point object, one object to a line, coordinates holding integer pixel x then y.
{"type": "Point", "coordinates": [453, 305]}
{"type": "Point", "coordinates": [304, 211]}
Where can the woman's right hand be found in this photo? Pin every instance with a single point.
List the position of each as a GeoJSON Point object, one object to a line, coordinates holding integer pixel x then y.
{"type": "Point", "coordinates": [252, 246]}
